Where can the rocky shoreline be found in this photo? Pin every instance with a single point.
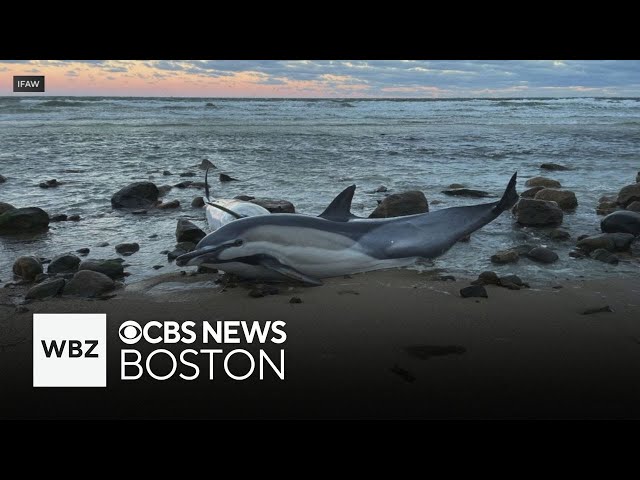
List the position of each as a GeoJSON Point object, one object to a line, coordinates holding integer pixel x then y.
{"type": "Point", "coordinates": [541, 207]}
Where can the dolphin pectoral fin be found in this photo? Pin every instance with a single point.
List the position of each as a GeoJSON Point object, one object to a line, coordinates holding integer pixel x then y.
{"type": "Point", "coordinates": [339, 210]}
{"type": "Point", "coordinates": [289, 272]}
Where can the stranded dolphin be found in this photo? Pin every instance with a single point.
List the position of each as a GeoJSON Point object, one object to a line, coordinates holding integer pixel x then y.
{"type": "Point", "coordinates": [306, 248]}
{"type": "Point", "coordinates": [221, 211]}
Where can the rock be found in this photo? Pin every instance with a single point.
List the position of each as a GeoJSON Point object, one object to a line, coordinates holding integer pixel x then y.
{"type": "Point", "coordinates": [46, 289]}
{"type": "Point", "coordinates": [455, 185]}
{"type": "Point", "coordinates": [168, 205]}
{"type": "Point", "coordinates": [127, 249]}
{"type": "Point", "coordinates": [604, 256]}
{"type": "Point", "coordinates": [542, 255]}
{"type": "Point", "coordinates": [163, 190]}
{"type": "Point", "coordinates": [401, 204]}
{"type": "Point", "coordinates": [23, 220]}
{"type": "Point", "coordinates": [157, 267]}
{"type": "Point", "coordinates": [628, 194]}
{"type": "Point", "coordinates": [275, 206]}
{"type": "Point", "coordinates": [487, 278]}
{"type": "Point", "coordinates": [102, 244]}
{"type": "Point", "coordinates": [41, 277]}
{"type": "Point", "coordinates": [66, 263]}
{"type": "Point", "coordinates": [152, 236]}
{"type": "Point", "coordinates": [188, 232]}
{"type": "Point", "coordinates": [605, 207]}
{"type": "Point", "coordinates": [87, 283]}
{"type": "Point", "coordinates": [513, 280]}
{"type": "Point", "coordinates": [538, 213]}
{"type": "Point", "coordinates": [244, 198]}
{"type": "Point", "coordinates": [136, 195]}
{"type": "Point", "coordinates": [263, 290]}
{"type": "Point", "coordinates": [447, 278]}
{"type": "Point", "coordinates": [204, 269]}
{"type": "Point", "coordinates": [3, 179]}
{"type": "Point", "coordinates": [5, 207]}
{"type": "Point", "coordinates": [83, 251]}
{"type": "Point", "coordinates": [166, 173]}
{"type": "Point", "coordinates": [542, 182]}
{"type": "Point", "coordinates": [21, 309]}
{"type": "Point", "coordinates": [74, 218]}
{"type": "Point", "coordinates": [380, 189]}
{"type": "Point", "coordinates": [139, 212]}
{"type": "Point", "coordinates": [60, 217]}
{"type": "Point", "coordinates": [634, 206]}
{"type": "Point", "coordinates": [623, 221]}
{"type": "Point", "coordinates": [531, 193]}
{"type": "Point", "coordinates": [187, 174]}
{"type": "Point", "coordinates": [474, 291]}
{"type": "Point", "coordinates": [604, 309]}
{"type": "Point", "coordinates": [613, 242]}
{"type": "Point", "coordinates": [565, 199]}
{"type": "Point", "coordinates": [637, 178]}
{"type": "Point", "coordinates": [510, 286]}
{"type": "Point", "coordinates": [205, 164]}
{"type": "Point", "coordinates": [436, 202]}
{"type": "Point", "coordinates": [295, 300]}
{"type": "Point", "coordinates": [27, 267]}
{"type": "Point", "coordinates": [580, 237]}
{"type": "Point", "coordinates": [466, 192]}
{"type": "Point", "coordinates": [197, 202]}
{"type": "Point", "coordinates": [505, 256]}
{"type": "Point", "coordinates": [558, 234]}
{"type": "Point", "coordinates": [49, 183]}
{"type": "Point", "coordinates": [577, 254]}
{"type": "Point", "coordinates": [226, 178]}
{"type": "Point", "coordinates": [185, 184]}
{"type": "Point", "coordinates": [553, 167]}
{"type": "Point", "coordinates": [110, 268]}
{"type": "Point", "coordinates": [180, 249]}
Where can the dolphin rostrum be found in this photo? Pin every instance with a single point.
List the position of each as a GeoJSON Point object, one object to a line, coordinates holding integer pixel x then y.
{"type": "Point", "coordinates": [306, 248]}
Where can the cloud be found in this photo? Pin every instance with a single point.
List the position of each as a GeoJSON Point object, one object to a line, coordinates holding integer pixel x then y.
{"type": "Point", "coordinates": [371, 78]}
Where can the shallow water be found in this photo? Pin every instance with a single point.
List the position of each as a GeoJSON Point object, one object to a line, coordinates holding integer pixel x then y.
{"type": "Point", "coordinates": [307, 151]}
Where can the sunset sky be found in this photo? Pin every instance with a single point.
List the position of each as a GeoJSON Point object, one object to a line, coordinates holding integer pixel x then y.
{"type": "Point", "coordinates": [331, 78]}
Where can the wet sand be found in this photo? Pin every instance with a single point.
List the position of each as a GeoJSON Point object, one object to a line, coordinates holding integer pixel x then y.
{"type": "Point", "coordinates": [393, 344]}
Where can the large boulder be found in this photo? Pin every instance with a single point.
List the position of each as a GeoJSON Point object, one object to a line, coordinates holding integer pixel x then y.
{"type": "Point", "coordinates": [542, 255]}
{"type": "Point", "coordinates": [188, 232]}
{"type": "Point", "coordinates": [622, 221]}
{"type": "Point", "coordinates": [136, 195]}
{"type": "Point", "coordinates": [66, 263]}
{"type": "Point", "coordinates": [634, 206]}
{"type": "Point", "coordinates": [48, 288]}
{"type": "Point", "coordinates": [401, 204]}
{"type": "Point", "coordinates": [466, 192]}
{"type": "Point", "coordinates": [543, 182]}
{"type": "Point", "coordinates": [553, 167]}
{"type": "Point", "coordinates": [5, 207]}
{"type": "Point", "coordinates": [531, 193]}
{"type": "Point", "coordinates": [27, 267]}
{"type": "Point", "coordinates": [275, 206]}
{"type": "Point", "coordinates": [538, 213]}
{"type": "Point", "coordinates": [28, 219]}
{"type": "Point", "coordinates": [110, 268]}
{"type": "Point", "coordinates": [605, 256]}
{"type": "Point", "coordinates": [565, 199]}
{"type": "Point", "coordinates": [628, 194]}
{"type": "Point", "coordinates": [612, 242]}
{"type": "Point", "coordinates": [87, 283]}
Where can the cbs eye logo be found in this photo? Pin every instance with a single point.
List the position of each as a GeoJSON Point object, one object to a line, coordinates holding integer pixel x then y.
{"type": "Point", "coordinates": [130, 332]}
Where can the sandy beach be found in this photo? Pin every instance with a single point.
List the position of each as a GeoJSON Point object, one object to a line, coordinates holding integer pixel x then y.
{"type": "Point", "coordinates": [393, 344]}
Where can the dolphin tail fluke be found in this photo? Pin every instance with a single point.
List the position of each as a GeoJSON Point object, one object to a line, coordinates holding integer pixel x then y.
{"type": "Point", "coordinates": [339, 210]}
{"type": "Point", "coordinates": [510, 196]}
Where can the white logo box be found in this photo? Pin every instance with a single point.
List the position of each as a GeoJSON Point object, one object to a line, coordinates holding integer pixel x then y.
{"type": "Point", "coordinates": [75, 359]}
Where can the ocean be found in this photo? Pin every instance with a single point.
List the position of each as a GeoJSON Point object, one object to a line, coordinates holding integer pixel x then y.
{"type": "Point", "coordinates": [307, 151]}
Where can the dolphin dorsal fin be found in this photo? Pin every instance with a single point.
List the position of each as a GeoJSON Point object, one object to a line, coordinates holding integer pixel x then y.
{"type": "Point", "coordinates": [339, 210]}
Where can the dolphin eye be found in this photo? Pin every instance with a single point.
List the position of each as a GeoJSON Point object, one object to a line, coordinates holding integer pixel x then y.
{"type": "Point", "coordinates": [238, 242]}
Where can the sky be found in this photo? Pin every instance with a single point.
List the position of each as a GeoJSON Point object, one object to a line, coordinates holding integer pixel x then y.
{"type": "Point", "coordinates": [330, 78]}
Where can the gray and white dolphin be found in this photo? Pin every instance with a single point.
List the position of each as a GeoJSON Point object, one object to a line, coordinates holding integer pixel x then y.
{"type": "Point", "coordinates": [306, 249]}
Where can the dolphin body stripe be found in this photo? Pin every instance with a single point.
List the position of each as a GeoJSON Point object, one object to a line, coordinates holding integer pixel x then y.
{"type": "Point", "coordinates": [307, 248]}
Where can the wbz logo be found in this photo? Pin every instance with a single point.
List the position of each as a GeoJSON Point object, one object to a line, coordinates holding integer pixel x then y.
{"type": "Point", "coordinates": [69, 350]}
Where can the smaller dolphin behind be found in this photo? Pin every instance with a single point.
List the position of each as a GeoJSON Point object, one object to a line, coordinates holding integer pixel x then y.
{"type": "Point", "coordinates": [306, 248]}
